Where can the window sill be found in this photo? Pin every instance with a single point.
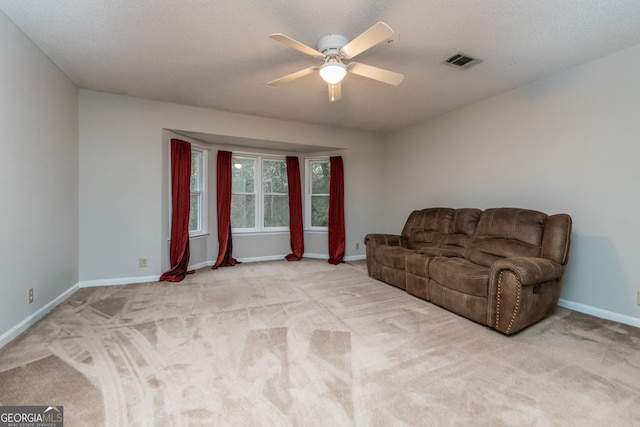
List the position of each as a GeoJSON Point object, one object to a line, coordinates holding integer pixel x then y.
{"type": "Point", "coordinates": [258, 233]}
{"type": "Point", "coordinates": [198, 236]}
{"type": "Point", "coordinates": [316, 231]}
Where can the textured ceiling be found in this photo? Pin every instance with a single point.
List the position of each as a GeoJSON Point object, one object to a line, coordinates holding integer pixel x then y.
{"type": "Point", "coordinates": [216, 54]}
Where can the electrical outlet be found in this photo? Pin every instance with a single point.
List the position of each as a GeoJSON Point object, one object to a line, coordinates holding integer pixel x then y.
{"type": "Point", "coordinates": [30, 295]}
{"type": "Point", "coordinates": [638, 298]}
{"type": "Point", "coordinates": [143, 262]}
{"type": "Point", "coordinates": [357, 246]}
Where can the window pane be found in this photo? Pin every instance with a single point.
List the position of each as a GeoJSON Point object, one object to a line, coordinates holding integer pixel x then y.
{"type": "Point", "coordinates": [274, 177]}
{"type": "Point", "coordinates": [195, 170]}
{"type": "Point", "coordinates": [243, 172]}
{"type": "Point", "coordinates": [319, 211]}
{"type": "Point", "coordinates": [320, 178]}
{"type": "Point", "coordinates": [276, 211]}
{"type": "Point", "coordinates": [194, 214]}
{"type": "Point", "coordinates": [243, 211]}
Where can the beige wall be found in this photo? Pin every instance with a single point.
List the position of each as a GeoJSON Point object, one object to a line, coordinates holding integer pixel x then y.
{"type": "Point", "coordinates": [38, 180]}
{"type": "Point", "coordinates": [568, 143]}
{"type": "Point", "coordinates": [124, 182]}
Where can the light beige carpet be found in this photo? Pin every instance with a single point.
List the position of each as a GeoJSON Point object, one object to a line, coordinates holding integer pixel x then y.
{"type": "Point", "coordinates": [311, 344]}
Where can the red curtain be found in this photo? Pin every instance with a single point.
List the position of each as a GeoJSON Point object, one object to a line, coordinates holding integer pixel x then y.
{"type": "Point", "coordinates": [295, 210]}
{"type": "Point", "coordinates": [336, 211]}
{"type": "Point", "coordinates": [180, 210]}
{"type": "Point", "coordinates": [223, 181]}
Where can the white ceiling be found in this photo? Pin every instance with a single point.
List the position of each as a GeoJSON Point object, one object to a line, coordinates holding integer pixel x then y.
{"type": "Point", "coordinates": [216, 54]}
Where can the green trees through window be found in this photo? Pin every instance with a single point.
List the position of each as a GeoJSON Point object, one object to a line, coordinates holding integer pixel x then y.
{"type": "Point", "coordinates": [260, 199]}
{"type": "Point", "coordinates": [243, 200]}
{"type": "Point", "coordinates": [260, 194]}
{"type": "Point", "coordinates": [318, 193]}
{"type": "Point", "coordinates": [275, 193]}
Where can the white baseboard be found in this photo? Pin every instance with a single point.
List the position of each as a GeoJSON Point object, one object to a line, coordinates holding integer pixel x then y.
{"type": "Point", "coordinates": [12, 333]}
{"type": "Point", "coordinates": [117, 281]}
{"type": "Point", "coordinates": [315, 256]}
{"type": "Point", "coordinates": [598, 312]}
{"type": "Point", "coordinates": [201, 265]}
{"type": "Point", "coordinates": [243, 260]}
{"type": "Point", "coordinates": [278, 257]}
{"type": "Point", "coordinates": [144, 279]}
{"type": "Point", "coordinates": [262, 258]}
{"type": "Point", "coordinates": [346, 258]}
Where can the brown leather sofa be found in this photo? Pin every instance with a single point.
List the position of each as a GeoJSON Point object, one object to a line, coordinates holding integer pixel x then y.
{"type": "Point", "coordinates": [500, 267]}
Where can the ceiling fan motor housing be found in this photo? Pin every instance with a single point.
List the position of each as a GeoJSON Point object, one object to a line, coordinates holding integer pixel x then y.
{"type": "Point", "coordinates": [330, 45]}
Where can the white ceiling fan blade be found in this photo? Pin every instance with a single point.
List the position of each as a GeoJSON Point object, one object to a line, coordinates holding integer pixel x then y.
{"type": "Point", "coordinates": [292, 76]}
{"type": "Point", "coordinates": [375, 73]}
{"type": "Point", "coordinates": [296, 45]}
{"type": "Point", "coordinates": [379, 32]}
{"type": "Point", "coordinates": [335, 91]}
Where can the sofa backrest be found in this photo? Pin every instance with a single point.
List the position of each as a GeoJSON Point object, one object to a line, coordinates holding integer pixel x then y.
{"type": "Point", "coordinates": [462, 230]}
{"type": "Point", "coordinates": [427, 227]}
{"type": "Point", "coordinates": [509, 232]}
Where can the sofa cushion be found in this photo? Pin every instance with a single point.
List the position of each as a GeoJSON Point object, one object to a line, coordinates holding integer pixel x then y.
{"type": "Point", "coordinates": [487, 251]}
{"type": "Point", "coordinates": [465, 221]}
{"type": "Point", "coordinates": [462, 229]}
{"type": "Point", "coordinates": [427, 227]}
{"type": "Point", "coordinates": [434, 252]}
{"type": "Point", "coordinates": [418, 264]}
{"type": "Point", "coordinates": [461, 275]}
{"type": "Point", "coordinates": [512, 223]}
{"type": "Point", "coordinates": [425, 239]}
{"type": "Point", "coordinates": [392, 256]}
{"type": "Point", "coordinates": [506, 232]}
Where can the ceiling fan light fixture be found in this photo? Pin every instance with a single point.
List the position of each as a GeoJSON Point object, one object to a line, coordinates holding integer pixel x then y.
{"type": "Point", "coordinates": [333, 71]}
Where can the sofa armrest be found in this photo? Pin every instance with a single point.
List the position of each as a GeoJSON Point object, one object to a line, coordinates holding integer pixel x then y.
{"type": "Point", "coordinates": [522, 291]}
{"type": "Point", "coordinates": [373, 243]}
{"type": "Point", "coordinates": [385, 239]}
{"type": "Point", "coordinates": [528, 270]}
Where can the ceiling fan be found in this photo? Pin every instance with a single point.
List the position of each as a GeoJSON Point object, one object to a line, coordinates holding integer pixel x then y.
{"type": "Point", "coordinates": [334, 49]}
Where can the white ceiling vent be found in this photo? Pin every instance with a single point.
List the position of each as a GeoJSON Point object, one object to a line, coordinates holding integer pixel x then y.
{"type": "Point", "coordinates": [460, 60]}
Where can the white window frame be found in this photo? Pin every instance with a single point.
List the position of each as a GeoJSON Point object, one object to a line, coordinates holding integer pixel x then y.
{"type": "Point", "coordinates": [259, 194]}
{"type": "Point", "coordinates": [281, 159]}
{"type": "Point", "coordinates": [257, 179]}
{"type": "Point", "coordinates": [201, 191]}
{"type": "Point", "coordinates": [308, 194]}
